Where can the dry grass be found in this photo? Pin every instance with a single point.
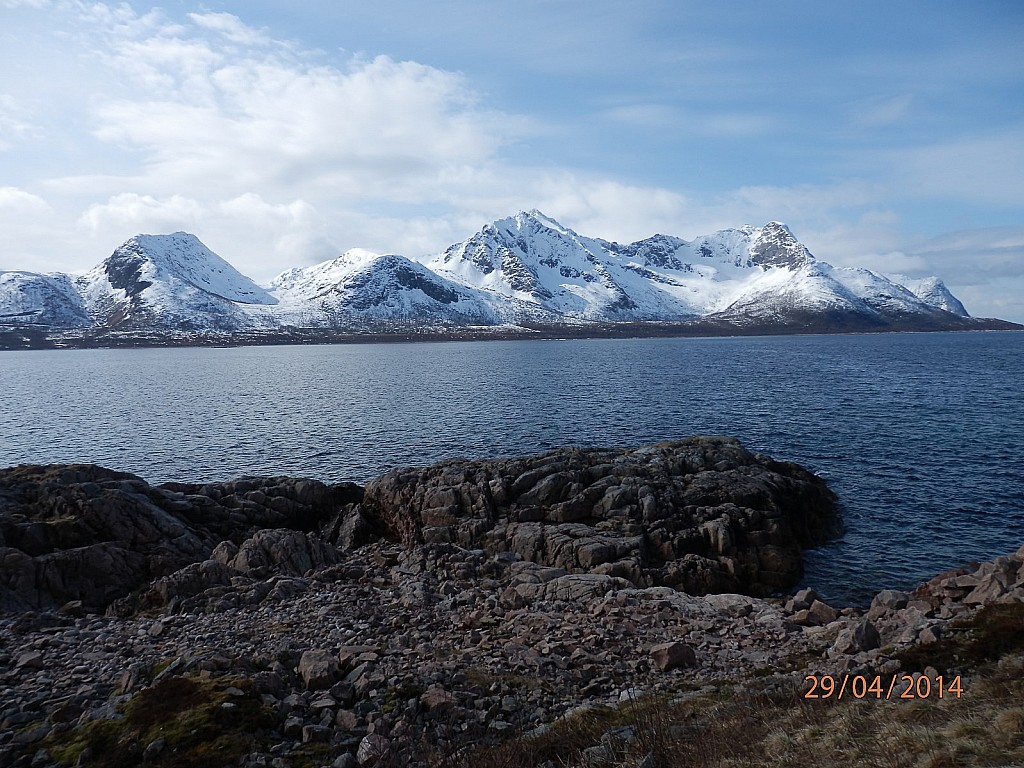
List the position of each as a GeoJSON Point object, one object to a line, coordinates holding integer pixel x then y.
{"type": "Point", "coordinates": [984, 726]}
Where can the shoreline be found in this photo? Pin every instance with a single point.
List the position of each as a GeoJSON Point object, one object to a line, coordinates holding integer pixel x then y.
{"type": "Point", "coordinates": [294, 623]}
{"type": "Point", "coordinates": [29, 338]}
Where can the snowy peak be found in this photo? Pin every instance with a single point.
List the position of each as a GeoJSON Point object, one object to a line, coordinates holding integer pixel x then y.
{"type": "Point", "coordinates": [773, 245]}
{"type": "Point", "coordinates": [532, 257]}
{"type": "Point", "coordinates": [781, 296]}
{"type": "Point", "coordinates": [877, 291]}
{"type": "Point", "coordinates": [321, 279]}
{"type": "Point", "coordinates": [168, 281]}
{"type": "Point", "coordinates": [146, 259]}
{"type": "Point", "coordinates": [363, 279]}
{"type": "Point", "coordinates": [934, 292]}
{"type": "Point", "coordinates": [361, 286]}
{"type": "Point", "coordinates": [398, 282]}
{"type": "Point", "coordinates": [531, 222]}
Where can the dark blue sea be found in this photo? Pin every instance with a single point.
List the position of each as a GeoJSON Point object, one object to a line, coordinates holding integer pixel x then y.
{"type": "Point", "coordinates": [920, 435]}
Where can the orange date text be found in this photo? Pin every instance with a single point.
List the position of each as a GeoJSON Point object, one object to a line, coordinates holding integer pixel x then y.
{"type": "Point", "coordinates": [878, 687]}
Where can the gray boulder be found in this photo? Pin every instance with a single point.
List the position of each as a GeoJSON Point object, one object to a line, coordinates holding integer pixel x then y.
{"type": "Point", "coordinates": [862, 636]}
{"type": "Point", "coordinates": [671, 655]}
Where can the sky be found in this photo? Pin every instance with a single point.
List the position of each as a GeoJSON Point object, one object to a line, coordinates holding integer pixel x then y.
{"type": "Point", "coordinates": [886, 135]}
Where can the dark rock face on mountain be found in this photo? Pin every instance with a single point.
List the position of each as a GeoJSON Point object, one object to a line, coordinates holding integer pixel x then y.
{"type": "Point", "coordinates": [776, 247]}
{"type": "Point", "coordinates": [701, 515]}
{"type": "Point", "coordinates": [89, 534]}
{"type": "Point", "coordinates": [405, 276]}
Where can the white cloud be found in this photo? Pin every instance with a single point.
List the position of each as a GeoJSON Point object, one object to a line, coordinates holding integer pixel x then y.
{"type": "Point", "coordinates": [277, 236]}
{"type": "Point", "coordinates": [15, 122]}
{"type": "Point", "coordinates": [231, 27]}
{"type": "Point", "coordinates": [611, 209]}
{"type": "Point", "coordinates": [130, 212]}
{"type": "Point", "coordinates": [261, 120]}
{"type": "Point", "coordinates": [18, 202]}
{"type": "Point", "coordinates": [26, 219]}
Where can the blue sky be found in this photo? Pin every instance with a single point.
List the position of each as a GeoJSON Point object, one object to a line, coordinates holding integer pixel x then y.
{"type": "Point", "coordinates": [887, 135]}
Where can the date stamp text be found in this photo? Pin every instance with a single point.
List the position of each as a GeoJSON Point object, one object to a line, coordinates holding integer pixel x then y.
{"type": "Point", "coordinates": [878, 687]}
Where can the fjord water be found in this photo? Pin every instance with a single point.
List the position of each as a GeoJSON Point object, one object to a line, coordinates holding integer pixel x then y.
{"type": "Point", "coordinates": [920, 435]}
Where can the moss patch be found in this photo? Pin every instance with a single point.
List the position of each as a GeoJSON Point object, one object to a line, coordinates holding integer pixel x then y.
{"type": "Point", "coordinates": [200, 721]}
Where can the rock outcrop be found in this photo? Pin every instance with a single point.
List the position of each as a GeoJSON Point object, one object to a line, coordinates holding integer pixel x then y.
{"type": "Point", "coordinates": [88, 534]}
{"type": "Point", "coordinates": [701, 515]}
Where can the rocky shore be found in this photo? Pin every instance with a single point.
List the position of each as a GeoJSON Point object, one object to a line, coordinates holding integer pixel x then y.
{"type": "Point", "coordinates": [280, 622]}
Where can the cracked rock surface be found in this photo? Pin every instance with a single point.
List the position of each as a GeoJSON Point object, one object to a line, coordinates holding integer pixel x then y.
{"type": "Point", "coordinates": [700, 515]}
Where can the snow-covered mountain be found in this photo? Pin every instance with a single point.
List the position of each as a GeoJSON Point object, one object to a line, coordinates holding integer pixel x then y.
{"type": "Point", "coordinates": [747, 276]}
{"type": "Point", "coordinates": [168, 281]}
{"type": "Point", "coordinates": [933, 291]}
{"type": "Point", "coordinates": [364, 286]}
{"type": "Point", "coordinates": [29, 298]}
{"type": "Point", "coordinates": [523, 270]}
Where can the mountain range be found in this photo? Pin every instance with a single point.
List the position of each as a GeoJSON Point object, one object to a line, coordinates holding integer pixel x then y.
{"type": "Point", "coordinates": [524, 273]}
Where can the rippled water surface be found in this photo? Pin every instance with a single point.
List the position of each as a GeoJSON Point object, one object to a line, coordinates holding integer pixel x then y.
{"type": "Point", "coordinates": [921, 435]}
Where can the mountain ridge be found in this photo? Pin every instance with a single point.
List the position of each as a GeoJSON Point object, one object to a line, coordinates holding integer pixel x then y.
{"type": "Point", "coordinates": [524, 271]}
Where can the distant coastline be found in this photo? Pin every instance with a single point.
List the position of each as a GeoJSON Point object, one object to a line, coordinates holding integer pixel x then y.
{"type": "Point", "coordinates": [38, 338]}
